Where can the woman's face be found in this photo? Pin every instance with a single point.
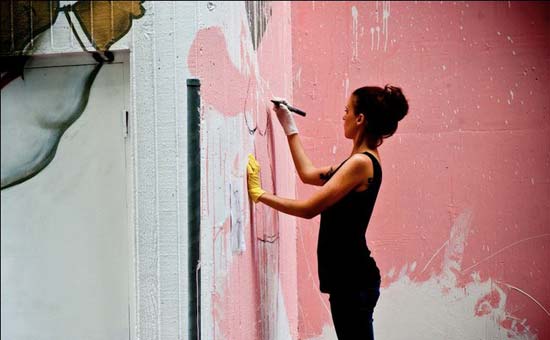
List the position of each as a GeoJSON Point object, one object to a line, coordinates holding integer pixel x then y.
{"type": "Point", "coordinates": [350, 126]}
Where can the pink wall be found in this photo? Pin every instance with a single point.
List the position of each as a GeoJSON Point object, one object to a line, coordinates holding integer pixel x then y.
{"type": "Point", "coordinates": [461, 231]}
{"type": "Point", "coordinates": [242, 56]}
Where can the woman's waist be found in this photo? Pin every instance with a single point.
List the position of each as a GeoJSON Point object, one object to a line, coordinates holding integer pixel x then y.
{"type": "Point", "coordinates": [349, 257]}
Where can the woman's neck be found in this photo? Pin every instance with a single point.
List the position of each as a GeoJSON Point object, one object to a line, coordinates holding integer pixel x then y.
{"type": "Point", "coordinates": [362, 147]}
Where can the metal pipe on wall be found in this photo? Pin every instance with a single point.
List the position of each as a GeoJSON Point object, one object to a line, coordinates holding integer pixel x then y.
{"type": "Point", "coordinates": [193, 184]}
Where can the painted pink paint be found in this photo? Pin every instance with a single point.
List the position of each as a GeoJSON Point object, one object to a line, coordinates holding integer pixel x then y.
{"type": "Point", "coordinates": [465, 145]}
{"type": "Point", "coordinates": [235, 311]}
{"type": "Point", "coordinates": [477, 137]}
{"type": "Point", "coordinates": [245, 305]}
{"type": "Point", "coordinates": [223, 87]}
{"type": "Point", "coordinates": [513, 326]}
{"type": "Point", "coordinates": [487, 303]}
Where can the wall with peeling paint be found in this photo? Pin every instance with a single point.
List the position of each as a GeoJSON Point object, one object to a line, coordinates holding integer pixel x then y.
{"type": "Point", "coordinates": [242, 54]}
{"type": "Point", "coordinates": [466, 249]}
{"type": "Point", "coordinates": [461, 228]}
{"type": "Point", "coordinates": [153, 252]}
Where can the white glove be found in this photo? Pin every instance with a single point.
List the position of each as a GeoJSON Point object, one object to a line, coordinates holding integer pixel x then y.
{"type": "Point", "coordinates": [285, 118]}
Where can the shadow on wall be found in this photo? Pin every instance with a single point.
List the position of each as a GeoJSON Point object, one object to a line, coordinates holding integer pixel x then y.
{"type": "Point", "coordinates": [35, 114]}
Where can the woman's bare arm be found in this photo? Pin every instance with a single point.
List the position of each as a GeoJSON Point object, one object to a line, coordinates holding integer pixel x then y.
{"type": "Point", "coordinates": [350, 175]}
{"type": "Point", "coordinates": [308, 173]}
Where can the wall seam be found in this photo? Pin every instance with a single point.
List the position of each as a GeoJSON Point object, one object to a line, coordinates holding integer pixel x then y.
{"type": "Point", "coordinates": [135, 165]}
{"type": "Point", "coordinates": [155, 157]}
{"type": "Point", "coordinates": [177, 191]}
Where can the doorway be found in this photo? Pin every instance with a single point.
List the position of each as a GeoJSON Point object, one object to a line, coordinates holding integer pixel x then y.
{"type": "Point", "coordinates": [66, 236]}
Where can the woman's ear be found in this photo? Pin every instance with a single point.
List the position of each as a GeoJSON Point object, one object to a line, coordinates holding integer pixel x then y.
{"type": "Point", "coordinates": [360, 119]}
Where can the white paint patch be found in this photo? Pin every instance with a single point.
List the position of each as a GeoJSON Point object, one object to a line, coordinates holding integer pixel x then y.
{"type": "Point", "coordinates": [378, 37]}
{"type": "Point", "coordinates": [443, 314]}
{"type": "Point", "coordinates": [226, 140]}
{"type": "Point", "coordinates": [373, 29]}
{"type": "Point", "coordinates": [346, 89]}
{"type": "Point", "coordinates": [372, 38]}
{"type": "Point", "coordinates": [442, 309]}
{"type": "Point", "coordinates": [328, 334]}
{"type": "Point", "coordinates": [231, 18]}
{"type": "Point", "coordinates": [354, 15]}
{"type": "Point", "coordinates": [385, 17]}
{"type": "Point", "coordinates": [282, 329]}
{"type": "Point", "coordinates": [238, 243]}
{"type": "Point", "coordinates": [298, 78]}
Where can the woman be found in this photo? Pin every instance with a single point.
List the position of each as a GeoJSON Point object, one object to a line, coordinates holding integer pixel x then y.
{"type": "Point", "coordinates": [345, 201]}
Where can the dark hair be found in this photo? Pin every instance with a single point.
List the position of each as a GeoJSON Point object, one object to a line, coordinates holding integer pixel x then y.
{"type": "Point", "coordinates": [383, 109]}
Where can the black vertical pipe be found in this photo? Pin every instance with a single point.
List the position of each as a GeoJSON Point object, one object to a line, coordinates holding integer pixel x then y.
{"type": "Point", "coordinates": [194, 197]}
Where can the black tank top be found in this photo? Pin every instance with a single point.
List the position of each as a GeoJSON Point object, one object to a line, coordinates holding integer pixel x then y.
{"type": "Point", "coordinates": [343, 258]}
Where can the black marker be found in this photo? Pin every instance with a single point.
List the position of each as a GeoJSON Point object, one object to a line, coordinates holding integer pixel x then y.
{"type": "Point", "coordinates": [290, 108]}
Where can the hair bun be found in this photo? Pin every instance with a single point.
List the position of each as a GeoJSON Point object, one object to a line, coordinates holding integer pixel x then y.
{"type": "Point", "coordinates": [395, 102]}
{"type": "Point", "coordinates": [383, 109]}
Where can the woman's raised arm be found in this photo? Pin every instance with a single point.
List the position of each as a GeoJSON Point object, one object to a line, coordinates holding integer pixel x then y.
{"type": "Point", "coordinates": [308, 173]}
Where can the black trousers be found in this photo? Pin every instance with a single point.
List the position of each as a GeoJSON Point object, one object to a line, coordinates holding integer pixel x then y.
{"type": "Point", "coordinates": [352, 313]}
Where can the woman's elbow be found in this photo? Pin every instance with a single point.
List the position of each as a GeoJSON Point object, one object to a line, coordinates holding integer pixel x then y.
{"type": "Point", "coordinates": [308, 176]}
{"type": "Point", "coordinates": [308, 214]}
{"type": "Point", "coordinates": [304, 178]}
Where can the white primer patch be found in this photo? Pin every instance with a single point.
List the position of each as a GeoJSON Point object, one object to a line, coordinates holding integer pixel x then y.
{"type": "Point", "coordinates": [442, 309]}
{"type": "Point", "coordinates": [328, 334]}
{"type": "Point", "coordinates": [354, 15]}
{"type": "Point", "coordinates": [442, 312]}
{"type": "Point", "coordinates": [376, 28]}
{"type": "Point", "coordinates": [438, 308]}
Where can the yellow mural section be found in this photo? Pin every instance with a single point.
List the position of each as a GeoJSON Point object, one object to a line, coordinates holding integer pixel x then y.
{"type": "Point", "coordinates": [103, 22]}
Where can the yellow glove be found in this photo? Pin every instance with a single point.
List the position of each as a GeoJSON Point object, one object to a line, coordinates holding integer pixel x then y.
{"type": "Point", "coordinates": [254, 184]}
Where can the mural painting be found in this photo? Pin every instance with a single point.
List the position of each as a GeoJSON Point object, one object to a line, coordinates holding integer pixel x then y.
{"type": "Point", "coordinates": [32, 125]}
{"type": "Point", "coordinates": [251, 62]}
{"type": "Point", "coordinates": [65, 240]}
{"type": "Point", "coordinates": [468, 251]}
{"type": "Point", "coordinates": [461, 232]}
